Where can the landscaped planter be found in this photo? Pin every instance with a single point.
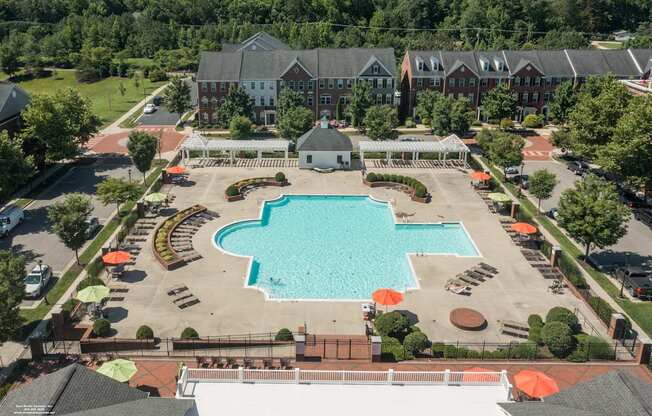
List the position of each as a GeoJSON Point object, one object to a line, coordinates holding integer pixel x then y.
{"type": "Point", "coordinates": [254, 183]}
{"type": "Point", "coordinates": [176, 261]}
{"type": "Point", "coordinates": [90, 344]}
{"type": "Point", "coordinates": [378, 184]}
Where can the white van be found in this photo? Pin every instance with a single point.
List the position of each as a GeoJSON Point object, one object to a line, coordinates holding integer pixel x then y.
{"type": "Point", "coordinates": [10, 217]}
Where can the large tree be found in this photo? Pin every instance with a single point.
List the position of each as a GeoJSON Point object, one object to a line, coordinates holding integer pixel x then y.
{"type": "Point", "coordinates": [451, 115]}
{"type": "Point", "coordinates": [562, 102]}
{"type": "Point", "coordinates": [294, 122]}
{"type": "Point", "coordinates": [68, 218]}
{"type": "Point", "coordinates": [499, 103]}
{"type": "Point", "coordinates": [240, 127]}
{"type": "Point", "coordinates": [288, 99]}
{"type": "Point", "coordinates": [506, 150]}
{"type": "Point", "coordinates": [541, 184]}
{"type": "Point", "coordinates": [593, 214]}
{"type": "Point", "coordinates": [361, 100]}
{"type": "Point", "coordinates": [15, 168]}
{"type": "Point", "coordinates": [426, 101]}
{"type": "Point", "coordinates": [142, 149]}
{"type": "Point", "coordinates": [117, 191]}
{"type": "Point", "coordinates": [9, 57]}
{"type": "Point", "coordinates": [57, 126]}
{"type": "Point", "coordinates": [176, 96]}
{"type": "Point", "coordinates": [381, 122]}
{"type": "Point", "coordinates": [236, 103]}
{"type": "Point", "coordinates": [12, 289]}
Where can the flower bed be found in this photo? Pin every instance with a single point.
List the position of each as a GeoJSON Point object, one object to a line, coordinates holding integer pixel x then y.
{"type": "Point", "coordinates": [235, 192]}
{"type": "Point", "coordinates": [417, 190]}
{"type": "Point", "coordinates": [162, 246]}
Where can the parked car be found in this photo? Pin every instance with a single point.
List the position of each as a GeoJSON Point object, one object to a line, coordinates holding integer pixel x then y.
{"type": "Point", "coordinates": [93, 226]}
{"type": "Point", "coordinates": [632, 200]}
{"type": "Point", "coordinates": [637, 281]}
{"type": "Point", "coordinates": [149, 108]}
{"type": "Point", "coordinates": [37, 280]}
{"type": "Point", "coordinates": [10, 218]}
{"type": "Point", "coordinates": [157, 100]}
{"type": "Point", "coordinates": [578, 167]}
{"type": "Point", "coordinates": [552, 213]}
{"type": "Point", "coordinates": [512, 170]}
{"type": "Point", "coordinates": [522, 180]}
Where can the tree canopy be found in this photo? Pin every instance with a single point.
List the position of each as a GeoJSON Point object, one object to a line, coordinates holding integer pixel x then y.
{"type": "Point", "coordinates": [239, 127]}
{"type": "Point", "coordinates": [361, 100]}
{"type": "Point", "coordinates": [381, 122]}
{"type": "Point", "coordinates": [499, 103]}
{"type": "Point", "coordinates": [294, 122]}
{"type": "Point", "coordinates": [15, 168]}
{"type": "Point", "coordinates": [450, 115]}
{"type": "Point", "coordinates": [237, 103]}
{"type": "Point", "coordinates": [287, 100]}
{"type": "Point", "coordinates": [562, 102]}
{"type": "Point", "coordinates": [68, 218]}
{"type": "Point", "coordinates": [12, 289]}
{"type": "Point", "coordinates": [176, 96]}
{"type": "Point", "coordinates": [541, 184]}
{"type": "Point", "coordinates": [117, 191]}
{"type": "Point", "coordinates": [142, 149]}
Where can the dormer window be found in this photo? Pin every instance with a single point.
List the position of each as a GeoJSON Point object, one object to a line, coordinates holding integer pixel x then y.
{"type": "Point", "coordinates": [500, 65]}
{"type": "Point", "coordinates": [375, 69]}
{"type": "Point", "coordinates": [420, 64]}
{"type": "Point", "coordinates": [484, 63]}
{"type": "Point", "coordinates": [434, 63]}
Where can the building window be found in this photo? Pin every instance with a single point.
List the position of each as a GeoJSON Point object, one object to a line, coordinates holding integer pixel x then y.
{"type": "Point", "coordinates": [331, 83]}
{"type": "Point", "coordinates": [213, 87]}
{"type": "Point", "coordinates": [271, 101]}
{"type": "Point", "coordinates": [379, 99]}
{"type": "Point", "coordinates": [419, 64]}
{"type": "Point", "coordinates": [375, 83]}
{"type": "Point", "coordinates": [308, 158]}
{"type": "Point", "coordinates": [437, 82]}
{"type": "Point", "coordinates": [419, 82]}
{"type": "Point", "coordinates": [253, 85]}
{"type": "Point", "coordinates": [311, 84]}
{"type": "Point", "coordinates": [322, 84]}
{"type": "Point", "coordinates": [261, 85]}
{"type": "Point", "coordinates": [451, 82]}
{"type": "Point", "coordinates": [535, 97]}
{"type": "Point", "coordinates": [384, 82]}
{"type": "Point", "coordinates": [213, 100]}
{"type": "Point", "coordinates": [389, 99]}
{"type": "Point", "coordinates": [461, 82]}
{"type": "Point", "coordinates": [340, 160]}
{"type": "Point", "coordinates": [325, 99]}
{"type": "Point", "coordinates": [483, 82]}
{"type": "Point", "coordinates": [348, 83]}
{"type": "Point", "coordinates": [527, 81]}
{"type": "Point", "coordinates": [537, 81]}
{"type": "Point", "coordinates": [204, 86]}
{"type": "Point", "coordinates": [300, 85]}
{"type": "Point", "coordinates": [546, 97]}
{"type": "Point", "coordinates": [472, 82]}
{"type": "Point", "coordinates": [222, 86]}
{"type": "Point", "coordinates": [526, 97]}
{"type": "Point", "coordinates": [204, 116]}
{"type": "Point", "coordinates": [517, 80]}
{"type": "Point", "coordinates": [375, 69]}
{"type": "Point", "coordinates": [472, 98]}
{"type": "Point", "coordinates": [310, 102]}
{"type": "Point", "coordinates": [204, 100]}
{"type": "Point", "coordinates": [340, 84]}
{"type": "Point", "coordinates": [432, 82]}
{"type": "Point", "coordinates": [291, 84]}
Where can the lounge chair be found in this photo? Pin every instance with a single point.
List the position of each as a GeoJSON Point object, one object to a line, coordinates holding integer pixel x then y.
{"type": "Point", "coordinates": [475, 275]}
{"type": "Point", "coordinates": [482, 271]}
{"type": "Point", "coordinates": [457, 287]}
{"type": "Point", "coordinates": [190, 301]}
{"type": "Point", "coordinates": [467, 279]}
{"type": "Point", "coordinates": [175, 290]}
{"type": "Point", "coordinates": [488, 267]}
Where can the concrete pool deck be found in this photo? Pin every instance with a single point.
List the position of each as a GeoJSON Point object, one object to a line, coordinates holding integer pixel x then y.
{"type": "Point", "coordinates": [228, 308]}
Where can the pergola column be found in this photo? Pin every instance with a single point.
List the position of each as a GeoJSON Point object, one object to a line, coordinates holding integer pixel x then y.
{"type": "Point", "coordinates": [285, 163]}
{"type": "Point", "coordinates": [445, 154]}
{"type": "Point", "coordinates": [231, 157]}
{"type": "Point", "coordinates": [362, 159]}
{"type": "Point", "coordinates": [258, 152]}
{"type": "Point", "coordinates": [389, 158]}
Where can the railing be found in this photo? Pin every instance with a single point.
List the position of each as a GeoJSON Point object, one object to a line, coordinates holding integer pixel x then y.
{"type": "Point", "coordinates": [298, 376]}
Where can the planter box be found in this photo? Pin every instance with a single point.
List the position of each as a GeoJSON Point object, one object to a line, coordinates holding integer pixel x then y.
{"type": "Point", "coordinates": [378, 184]}
{"type": "Point", "coordinates": [265, 182]}
{"type": "Point", "coordinates": [207, 343]}
{"type": "Point", "coordinates": [177, 261]}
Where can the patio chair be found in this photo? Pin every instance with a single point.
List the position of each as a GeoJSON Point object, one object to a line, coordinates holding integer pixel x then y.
{"type": "Point", "coordinates": [286, 364]}
{"type": "Point", "coordinates": [482, 271]}
{"type": "Point", "coordinates": [175, 290]}
{"type": "Point", "coordinates": [488, 267]}
{"type": "Point", "coordinates": [268, 363]}
{"type": "Point", "coordinates": [475, 275]}
{"type": "Point", "coordinates": [466, 279]}
{"type": "Point", "coordinates": [248, 363]}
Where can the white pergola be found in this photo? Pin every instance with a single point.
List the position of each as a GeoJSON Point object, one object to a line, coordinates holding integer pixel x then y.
{"type": "Point", "coordinates": [198, 143]}
{"type": "Point", "coordinates": [450, 144]}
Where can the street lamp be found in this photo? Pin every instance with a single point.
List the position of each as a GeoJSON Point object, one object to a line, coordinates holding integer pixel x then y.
{"type": "Point", "coordinates": [129, 172]}
{"type": "Point", "coordinates": [622, 277]}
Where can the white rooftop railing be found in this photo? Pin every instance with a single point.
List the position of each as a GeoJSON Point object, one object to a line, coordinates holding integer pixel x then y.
{"type": "Point", "coordinates": [298, 376]}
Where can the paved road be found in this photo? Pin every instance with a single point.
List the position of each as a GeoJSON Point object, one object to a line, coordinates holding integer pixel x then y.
{"type": "Point", "coordinates": [34, 238]}
{"type": "Point", "coordinates": [638, 240]}
{"type": "Point", "coordinates": [162, 117]}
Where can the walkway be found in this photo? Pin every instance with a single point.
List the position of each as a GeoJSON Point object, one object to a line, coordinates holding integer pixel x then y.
{"type": "Point", "coordinates": [537, 148]}
{"type": "Point", "coordinates": [117, 142]}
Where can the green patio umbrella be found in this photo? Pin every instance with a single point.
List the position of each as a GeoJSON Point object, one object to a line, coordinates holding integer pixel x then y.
{"type": "Point", "coordinates": [93, 294]}
{"type": "Point", "coordinates": [119, 370]}
{"type": "Point", "coordinates": [499, 197]}
{"type": "Point", "coordinates": [156, 197]}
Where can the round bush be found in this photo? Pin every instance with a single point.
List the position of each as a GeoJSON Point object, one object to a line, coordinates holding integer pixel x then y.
{"type": "Point", "coordinates": [564, 315]}
{"type": "Point", "coordinates": [506, 124]}
{"type": "Point", "coordinates": [393, 324]}
{"type": "Point", "coordinates": [102, 328]}
{"type": "Point", "coordinates": [189, 333]}
{"type": "Point", "coordinates": [391, 349]}
{"type": "Point", "coordinates": [284, 334]}
{"type": "Point", "coordinates": [558, 337]}
{"type": "Point", "coordinates": [144, 332]}
{"type": "Point", "coordinates": [420, 192]}
{"type": "Point", "coordinates": [415, 342]}
{"type": "Point", "coordinates": [232, 191]}
{"type": "Point", "coordinates": [371, 177]}
{"type": "Point", "coordinates": [534, 334]}
{"type": "Point", "coordinates": [279, 177]}
{"type": "Point", "coordinates": [535, 320]}
{"type": "Point", "coordinates": [532, 121]}
{"type": "Point", "coordinates": [90, 281]}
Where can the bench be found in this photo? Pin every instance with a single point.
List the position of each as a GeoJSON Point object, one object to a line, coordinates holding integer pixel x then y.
{"type": "Point", "coordinates": [515, 329]}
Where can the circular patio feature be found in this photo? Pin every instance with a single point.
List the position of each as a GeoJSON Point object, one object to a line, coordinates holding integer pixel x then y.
{"type": "Point", "coordinates": [468, 319]}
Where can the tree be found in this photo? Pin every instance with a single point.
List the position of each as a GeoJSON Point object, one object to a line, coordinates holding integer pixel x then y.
{"type": "Point", "coordinates": [9, 55]}
{"type": "Point", "coordinates": [69, 223]}
{"type": "Point", "coordinates": [381, 122]}
{"type": "Point", "coordinates": [593, 214]}
{"type": "Point", "coordinates": [239, 127]}
{"type": "Point", "coordinates": [176, 96]}
{"type": "Point", "coordinates": [94, 63]}
{"type": "Point", "coordinates": [57, 126]}
{"type": "Point", "coordinates": [558, 337]}
{"type": "Point", "coordinates": [415, 342]}
{"type": "Point", "coordinates": [506, 150]}
{"type": "Point", "coordinates": [287, 100]}
{"type": "Point", "coordinates": [142, 149]}
{"type": "Point", "coordinates": [12, 289]}
{"type": "Point", "coordinates": [562, 102]}
{"type": "Point", "coordinates": [117, 191]}
{"type": "Point", "coordinates": [361, 100]}
{"type": "Point", "coordinates": [541, 184]}
{"type": "Point", "coordinates": [236, 103]}
{"type": "Point", "coordinates": [295, 122]}
{"type": "Point", "coordinates": [425, 107]}
{"type": "Point", "coordinates": [15, 168]}
{"type": "Point", "coordinates": [451, 116]}
{"type": "Point", "coordinates": [393, 324]}
{"type": "Point", "coordinates": [629, 153]}
{"type": "Point", "coordinates": [499, 103]}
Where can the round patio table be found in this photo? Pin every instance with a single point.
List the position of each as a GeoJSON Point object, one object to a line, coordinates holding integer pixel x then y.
{"type": "Point", "coordinates": [468, 319]}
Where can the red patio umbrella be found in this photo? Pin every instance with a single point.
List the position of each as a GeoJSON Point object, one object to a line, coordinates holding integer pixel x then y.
{"type": "Point", "coordinates": [116, 257]}
{"type": "Point", "coordinates": [175, 170]}
{"type": "Point", "coordinates": [524, 228]}
{"type": "Point", "coordinates": [473, 374]}
{"type": "Point", "coordinates": [387, 297]}
{"type": "Point", "coordinates": [480, 176]}
{"type": "Point", "coordinates": [535, 384]}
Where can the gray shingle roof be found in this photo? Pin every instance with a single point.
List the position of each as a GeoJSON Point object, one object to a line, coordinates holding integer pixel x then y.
{"type": "Point", "coordinates": [13, 100]}
{"type": "Point", "coordinates": [264, 41]}
{"type": "Point", "coordinates": [643, 58]}
{"type": "Point", "coordinates": [145, 407]}
{"type": "Point", "coordinates": [428, 69]}
{"type": "Point", "coordinates": [219, 66]}
{"type": "Point", "coordinates": [320, 139]}
{"type": "Point", "coordinates": [517, 60]}
{"type": "Point", "coordinates": [616, 393]}
{"type": "Point", "coordinates": [595, 62]}
{"type": "Point", "coordinates": [555, 64]}
{"type": "Point", "coordinates": [453, 60]}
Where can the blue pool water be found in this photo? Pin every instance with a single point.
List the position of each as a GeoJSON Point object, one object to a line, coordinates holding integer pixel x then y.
{"type": "Point", "coordinates": [335, 247]}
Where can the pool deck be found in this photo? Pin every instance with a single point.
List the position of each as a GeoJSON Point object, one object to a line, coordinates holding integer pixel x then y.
{"type": "Point", "coordinates": [228, 308]}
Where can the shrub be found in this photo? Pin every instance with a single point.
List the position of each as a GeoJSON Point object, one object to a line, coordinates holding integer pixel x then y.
{"type": "Point", "coordinates": [535, 320]}
{"type": "Point", "coordinates": [602, 308]}
{"type": "Point", "coordinates": [68, 307]}
{"type": "Point", "coordinates": [232, 191]}
{"type": "Point", "coordinates": [102, 328]}
{"type": "Point", "coordinates": [506, 124]}
{"type": "Point", "coordinates": [572, 272]}
{"type": "Point", "coordinates": [415, 342]}
{"type": "Point", "coordinates": [157, 75]}
{"type": "Point", "coordinates": [561, 314]}
{"type": "Point", "coordinates": [239, 127]}
{"type": "Point", "coordinates": [391, 349]}
{"type": "Point", "coordinates": [371, 177]}
{"type": "Point", "coordinates": [189, 333]}
{"type": "Point", "coordinates": [420, 191]}
{"type": "Point", "coordinates": [409, 123]}
{"type": "Point", "coordinates": [393, 324]}
{"type": "Point", "coordinates": [279, 177]}
{"type": "Point", "coordinates": [95, 267]}
{"type": "Point", "coordinates": [524, 351]}
{"type": "Point", "coordinates": [90, 281]}
{"type": "Point", "coordinates": [558, 337]}
{"type": "Point", "coordinates": [592, 348]}
{"type": "Point", "coordinates": [534, 334]}
{"type": "Point", "coordinates": [144, 332]}
{"type": "Point", "coordinates": [284, 334]}
{"type": "Point", "coordinates": [532, 121]}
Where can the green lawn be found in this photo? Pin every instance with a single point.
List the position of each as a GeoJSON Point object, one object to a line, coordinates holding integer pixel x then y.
{"type": "Point", "coordinates": [105, 95]}
{"type": "Point", "coordinates": [611, 44]}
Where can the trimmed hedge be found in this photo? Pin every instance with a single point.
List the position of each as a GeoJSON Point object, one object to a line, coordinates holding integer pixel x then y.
{"type": "Point", "coordinates": [420, 190]}
{"type": "Point", "coordinates": [520, 351]}
{"type": "Point", "coordinates": [558, 337]}
{"type": "Point", "coordinates": [415, 342]}
{"type": "Point", "coordinates": [391, 349]}
{"type": "Point", "coordinates": [189, 333]}
{"type": "Point", "coordinates": [284, 334]}
{"type": "Point", "coordinates": [144, 332]}
{"type": "Point", "coordinates": [601, 308]}
{"type": "Point", "coordinates": [232, 191]}
{"type": "Point", "coordinates": [102, 328]}
{"type": "Point", "coordinates": [392, 324]}
{"type": "Point", "coordinates": [571, 271]}
{"type": "Point", "coordinates": [591, 348]}
{"type": "Point", "coordinates": [279, 177]}
{"type": "Point", "coordinates": [535, 320]}
{"type": "Point", "coordinates": [561, 314]}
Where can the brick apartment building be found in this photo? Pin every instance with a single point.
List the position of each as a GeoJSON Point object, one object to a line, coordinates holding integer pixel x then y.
{"type": "Point", "coordinates": [263, 66]}
{"type": "Point", "coordinates": [532, 75]}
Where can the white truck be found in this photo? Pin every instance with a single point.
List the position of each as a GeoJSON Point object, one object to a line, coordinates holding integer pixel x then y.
{"type": "Point", "coordinates": [10, 217]}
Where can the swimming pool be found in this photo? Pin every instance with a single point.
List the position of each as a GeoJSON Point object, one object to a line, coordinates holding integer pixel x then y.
{"type": "Point", "coordinates": [331, 247]}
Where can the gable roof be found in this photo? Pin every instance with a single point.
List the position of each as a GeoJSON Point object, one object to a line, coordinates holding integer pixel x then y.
{"type": "Point", "coordinates": [517, 60]}
{"type": "Point", "coordinates": [262, 41]}
{"type": "Point", "coordinates": [13, 100]}
{"type": "Point", "coordinates": [224, 64]}
{"type": "Point", "coordinates": [145, 407]}
{"type": "Point", "coordinates": [454, 60]}
{"type": "Point", "coordinates": [428, 70]}
{"type": "Point", "coordinates": [320, 139]}
{"type": "Point", "coordinates": [616, 393]}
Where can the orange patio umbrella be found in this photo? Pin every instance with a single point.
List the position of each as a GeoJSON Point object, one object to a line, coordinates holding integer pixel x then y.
{"type": "Point", "coordinates": [175, 170]}
{"type": "Point", "coordinates": [524, 228]}
{"type": "Point", "coordinates": [116, 257]}
{"type": "Point", "coordinates": [535, 384]}
{"type": "Point", "coordinates": [480, 176]}
{"type": "Point", "coordinates": [387, 297]}
{"type": "Point", "coordinates": [474, 374]}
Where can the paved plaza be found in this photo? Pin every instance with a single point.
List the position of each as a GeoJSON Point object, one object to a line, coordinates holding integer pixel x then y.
{"type": "Point", "coordinates": [227, 307]}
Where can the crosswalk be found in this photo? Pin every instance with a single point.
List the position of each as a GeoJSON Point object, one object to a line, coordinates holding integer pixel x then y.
{"type": "Point", "coordinates": [537, 154]}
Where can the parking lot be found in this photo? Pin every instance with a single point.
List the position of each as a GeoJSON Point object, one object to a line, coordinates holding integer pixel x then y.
{"type": "Point", "coordinates": [162, 117]}
{"type": "Point", "coordinates": [34, 238]}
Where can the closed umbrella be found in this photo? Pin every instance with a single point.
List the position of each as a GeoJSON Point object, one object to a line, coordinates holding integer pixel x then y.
{"type": "Point", "coordinates": [116, 257]}
{"type": "Point", "coordinates": [156, 198]}
{"type": "Point", "coordinates": [535, 384]}
{"type": "Point", "coordinates": [93, 294]}
{"type": "Point", "coordinates": [499, 197]}
{"type": "Point", "coordinates": [119, 370]}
